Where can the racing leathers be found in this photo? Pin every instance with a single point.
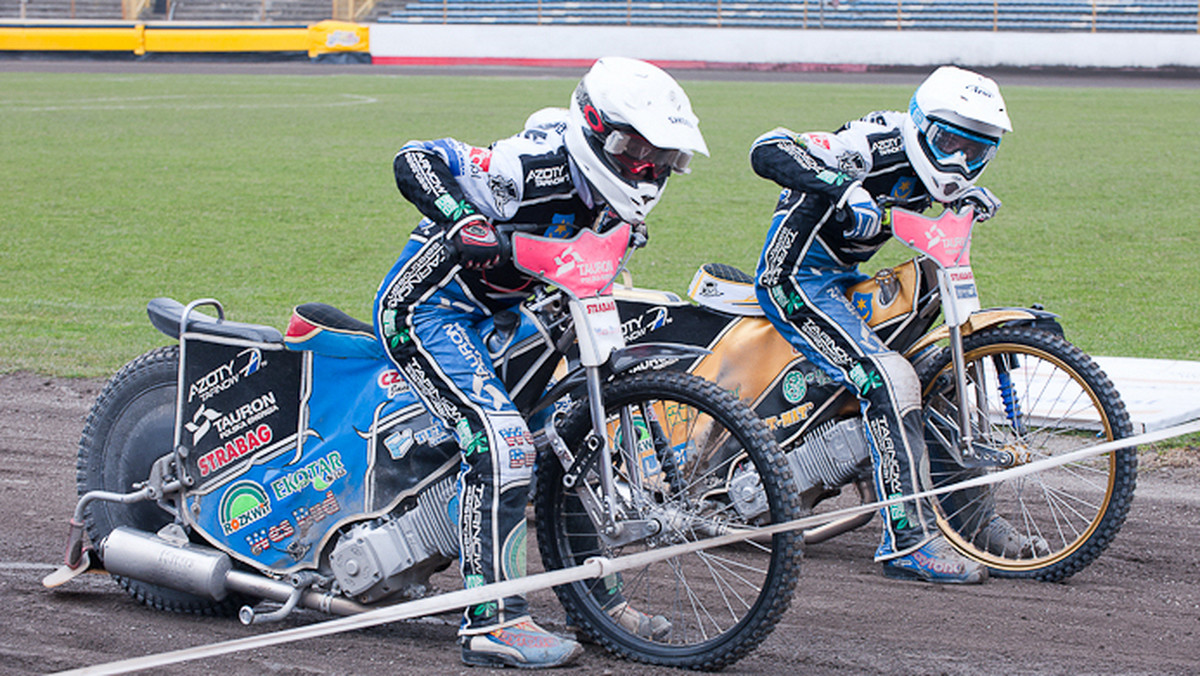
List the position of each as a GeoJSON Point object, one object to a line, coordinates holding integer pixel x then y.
{"type": "Point", "coordinates": [428, 311]}
{"type": "Point", "coordinates": [811, 257]}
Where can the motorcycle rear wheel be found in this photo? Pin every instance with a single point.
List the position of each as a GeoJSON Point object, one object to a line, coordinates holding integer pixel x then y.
{"type": "Point", "coordinates": [1058, 400]}
{"type": "Point", "coordinates": [131, 425]}
{"type": "Point", "coordinates": [692, 437]}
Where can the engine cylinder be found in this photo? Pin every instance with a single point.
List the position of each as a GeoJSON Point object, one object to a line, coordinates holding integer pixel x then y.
{"type": "Point", "coordinates": [831, 455]}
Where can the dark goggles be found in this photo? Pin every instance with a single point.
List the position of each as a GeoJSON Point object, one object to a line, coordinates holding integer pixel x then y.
{"type": "Point", "coordinates": [638, 159]}
{"type": "Point", "coordinates": [956, 146]}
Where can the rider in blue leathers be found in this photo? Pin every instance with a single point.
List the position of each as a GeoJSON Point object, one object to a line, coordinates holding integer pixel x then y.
{"type": "Point", "coordinates": [826, 222]}
{"type": "Point", "coordinates": [605, 159]}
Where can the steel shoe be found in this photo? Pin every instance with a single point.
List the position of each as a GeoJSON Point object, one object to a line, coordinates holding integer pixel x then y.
{"type": "Point", "coordinates": [640, 624]}
{"type": "Point", "coordinates": [524, 645]}
{"type": "Point", "coordinates": [999, 537]}
{"type": "Point", "coordinates": [935, 561]}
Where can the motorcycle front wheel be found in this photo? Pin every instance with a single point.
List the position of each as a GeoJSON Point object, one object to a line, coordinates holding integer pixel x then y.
{"type": "Point", "coordinates": [697, 450]}
{"type": "Point", "coordinates": [1031, 395]}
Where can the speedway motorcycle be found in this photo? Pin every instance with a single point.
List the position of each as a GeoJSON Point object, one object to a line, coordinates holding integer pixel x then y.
{"type": "Point", "coordinates": [244, 471]}
{"type": "Point", "coordinates": [1001, 387]}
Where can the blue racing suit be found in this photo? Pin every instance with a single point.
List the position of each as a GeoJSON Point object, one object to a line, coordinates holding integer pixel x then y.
{"type": "Point", "coordinates": [428, 311]}
{"type": "Point", "coordinates": [808, 262]}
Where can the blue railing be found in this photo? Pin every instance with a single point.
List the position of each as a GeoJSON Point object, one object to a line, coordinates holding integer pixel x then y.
{"type": "Point", "coordinates": [990, 15]}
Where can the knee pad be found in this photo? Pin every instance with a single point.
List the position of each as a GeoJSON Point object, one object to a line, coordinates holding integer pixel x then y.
{"type": "Point", "coordinates": [514, 453]}
{"type": "Point", "coordinates": [899, 373]}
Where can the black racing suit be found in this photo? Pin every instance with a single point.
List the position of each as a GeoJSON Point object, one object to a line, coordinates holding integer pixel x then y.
{"type": "Point", "coordinates": [427, 313]}
{"type": "Point", "coordinates": [806, 266]}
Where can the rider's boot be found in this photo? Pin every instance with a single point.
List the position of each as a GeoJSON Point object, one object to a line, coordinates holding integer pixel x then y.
{"type": "Point", "coordinates": [935, 561]}
{"type": "Point", "coordinates": [634, 621]}
{"type": "Point", "coordinates": [912, 547]}
{"type": "Point", "coordinates": [523, 645]}
{"type": "Point", "coordinates": [1001, 538]}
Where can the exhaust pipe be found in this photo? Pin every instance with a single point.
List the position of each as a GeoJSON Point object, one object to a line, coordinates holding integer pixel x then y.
{"type": "Point", "coordinates": [182, 566]}
{"type": "Point", "coordinates": [866, 493]}
{"type": "Point", "coordinates": [202, 571]}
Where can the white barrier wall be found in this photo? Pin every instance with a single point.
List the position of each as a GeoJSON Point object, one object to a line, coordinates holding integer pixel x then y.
{"type": "Point", "coordinates": [721, 47]}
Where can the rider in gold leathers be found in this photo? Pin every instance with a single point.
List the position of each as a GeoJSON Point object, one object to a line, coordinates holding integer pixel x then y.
{"type": "Point", "coordinates": [826, 222]}
{"type": "Point", "coordinates": [604, 160]}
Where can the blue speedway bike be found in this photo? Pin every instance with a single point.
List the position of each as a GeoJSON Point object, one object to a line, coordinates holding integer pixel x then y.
{"type": "Point", "coordinates": [247, 471]}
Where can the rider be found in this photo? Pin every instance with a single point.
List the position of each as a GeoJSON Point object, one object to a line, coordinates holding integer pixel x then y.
{"type": "Point", "coordinates": [826, 222]}
{"type": "Point", "coordinates": [603, 161]}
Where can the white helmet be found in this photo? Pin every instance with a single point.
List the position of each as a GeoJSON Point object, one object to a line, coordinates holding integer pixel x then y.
{"type": "Point", "coordinates": [954, 124]}
{"type": "Point", "coordinates": [629, 126]}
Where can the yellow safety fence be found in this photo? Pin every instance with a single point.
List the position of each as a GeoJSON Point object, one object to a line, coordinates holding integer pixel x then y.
{"type": "Point", "coordinates": [326, 37]}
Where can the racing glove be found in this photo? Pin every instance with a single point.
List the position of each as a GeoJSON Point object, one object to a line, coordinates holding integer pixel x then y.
{"type": "Point", "coordinates": [865, 214]}
{"type": "Point", "coordinates": [986, 204]}
{"type": "Point", "coordinates": [639, 236]}
{"type": "Point", "coordinates": [478, 246]}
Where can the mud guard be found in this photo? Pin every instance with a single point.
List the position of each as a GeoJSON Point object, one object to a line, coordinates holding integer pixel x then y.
{"type": "Point", "coordinates": [619, 361]}
{"type": "Point", "coordinates": [1035, 317]}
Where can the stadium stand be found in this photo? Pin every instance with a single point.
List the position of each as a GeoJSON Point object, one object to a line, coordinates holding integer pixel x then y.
{"type": "Point", "coordinates": [225, 11]}
{"type": "Point", "coordinates": [991, 15]}
{"type": "Point", "coordinates": [61, 9]}
{"type": "Point", "coordinates": [994, 15]}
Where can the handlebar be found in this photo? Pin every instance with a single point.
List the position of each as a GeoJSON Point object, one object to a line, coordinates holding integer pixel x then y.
{"type": "Point", "coordinates": [886, 202]}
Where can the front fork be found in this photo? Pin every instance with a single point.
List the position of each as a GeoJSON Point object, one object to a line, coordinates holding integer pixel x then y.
{"type": "Point", "coordinates": [1008, 395]}
{"type": "Point", "coordinates": [599, 436]}
{"type": "Point", "coordinates": [602, 506]}
{"type": "Point", "coordinates": [966, 440]}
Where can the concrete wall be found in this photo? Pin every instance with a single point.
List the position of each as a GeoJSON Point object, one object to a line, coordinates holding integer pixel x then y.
{"type": "Point", "coordinates": [764, 48]}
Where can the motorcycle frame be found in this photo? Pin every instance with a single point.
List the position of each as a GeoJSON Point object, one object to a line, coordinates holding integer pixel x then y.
{"type": "Point", "coordinates": [602, 350]}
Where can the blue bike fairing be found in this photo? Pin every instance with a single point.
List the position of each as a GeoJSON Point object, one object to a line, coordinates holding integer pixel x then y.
{"type": "Point", "coordinates": [366, 443]}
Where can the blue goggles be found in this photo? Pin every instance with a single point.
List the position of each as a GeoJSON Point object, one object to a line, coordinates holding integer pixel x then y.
{"type": "Point", "coordinates": [952, 145]}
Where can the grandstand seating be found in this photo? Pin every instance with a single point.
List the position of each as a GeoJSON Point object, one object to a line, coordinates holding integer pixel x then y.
{"type": "Point", "coordinates": [998, 15]}
{"type": "Point", "coordinates": [61, 9]}
{"type": "Point", "coordinates": [224, 11]}
{"type": "Point", "coordinates": [1038, 15]}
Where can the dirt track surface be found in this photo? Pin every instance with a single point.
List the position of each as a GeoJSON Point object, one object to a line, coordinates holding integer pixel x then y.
{"type": "Point", "coordinates": [1135, 611]}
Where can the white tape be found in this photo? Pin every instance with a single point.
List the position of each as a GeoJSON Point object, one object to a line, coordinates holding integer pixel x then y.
{"type": "Point", "coordinates": [592, 568]}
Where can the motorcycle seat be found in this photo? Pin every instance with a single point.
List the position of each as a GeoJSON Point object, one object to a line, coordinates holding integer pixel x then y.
{"type": "Point", "coordinates": [725, 288]}
{"type": "Point", "coordinates": [166, 314]}
{"type": "Point", "coordinates": [327, 330]}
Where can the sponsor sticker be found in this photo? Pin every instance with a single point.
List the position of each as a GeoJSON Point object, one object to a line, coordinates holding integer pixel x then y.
{"type": "Point", "coordinates": [235, 448]}
{"type": "Point", "coordinates": [791, 416]}
{"type": "Point", "coordinates": [246, 363]}
{"type": "Point", "coordinates": [242, 504]}
{"type": "Point", "coordinates": [392, 382]}
{"type": "Point", "coordinates": [319, 474]}
{"type": "Point", "coordinates": [306, 517]}
{"type": "Point", "coordinates": [649, 321]}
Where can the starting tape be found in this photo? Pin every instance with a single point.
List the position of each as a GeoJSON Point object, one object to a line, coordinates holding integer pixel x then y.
{"type": "Point", "coordinates": [592, 568]}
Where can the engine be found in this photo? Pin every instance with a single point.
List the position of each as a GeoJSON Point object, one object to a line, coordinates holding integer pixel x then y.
{"type": "Point", "coordinates": [398, 553]}
{"type": "Point", "coordinates": [829, 457]}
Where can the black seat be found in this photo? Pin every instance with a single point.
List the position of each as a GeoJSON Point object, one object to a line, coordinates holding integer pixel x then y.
{"type": "Point", "coordinates": [329, 317]}
{"type": "Point", "coordinates": [166, 313]}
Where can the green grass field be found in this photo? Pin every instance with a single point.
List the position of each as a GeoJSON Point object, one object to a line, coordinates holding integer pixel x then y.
{"type": "Point", "coordinates": [268, 191]}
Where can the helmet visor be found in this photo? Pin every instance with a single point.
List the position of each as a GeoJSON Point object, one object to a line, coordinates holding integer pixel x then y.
{"type": "Point", "coordinates": [638, 159]}
{"type": "Point", "coordinates": [955, 146]}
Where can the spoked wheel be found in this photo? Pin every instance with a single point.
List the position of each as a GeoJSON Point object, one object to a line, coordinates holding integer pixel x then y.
{"type": "Point", "coordinates": [1032, 395]}
{"type": "Point", "coordinates": [131, 425]}
{"type": "Point", "coordinates": [706, 465]}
